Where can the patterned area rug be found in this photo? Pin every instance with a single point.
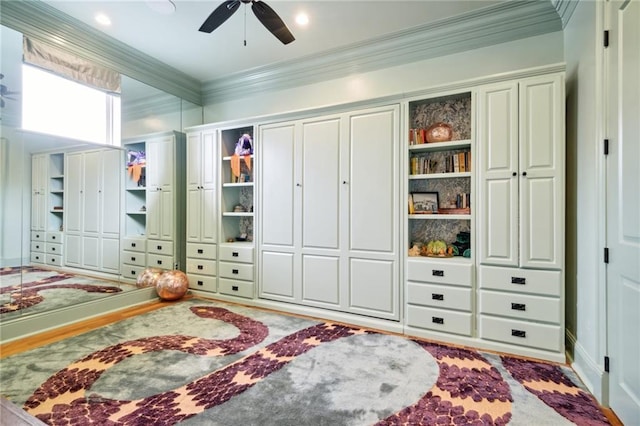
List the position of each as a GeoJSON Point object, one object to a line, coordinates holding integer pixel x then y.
{"type": "Point", "coordinates": [25, 290]}
{"type": "Point", "coordinates": [198, 362]}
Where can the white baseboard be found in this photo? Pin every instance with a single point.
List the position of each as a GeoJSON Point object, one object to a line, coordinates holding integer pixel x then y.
{"type": "Point", "coordinates": [591, 373]}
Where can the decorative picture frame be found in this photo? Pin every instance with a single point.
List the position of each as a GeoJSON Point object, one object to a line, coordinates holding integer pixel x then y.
{"type": "Point", "coordinates": [425, 202]}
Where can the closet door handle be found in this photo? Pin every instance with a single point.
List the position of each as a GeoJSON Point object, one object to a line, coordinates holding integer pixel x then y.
{"type": "Point", "coordinates": [514, 174]}
{"type": "Point", "coordinates": [524, 173]}
{"type": "Point", "coordinates": [299, 185]}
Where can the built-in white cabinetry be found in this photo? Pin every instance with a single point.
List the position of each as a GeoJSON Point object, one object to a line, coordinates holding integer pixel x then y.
{"type": "Point", "coordinates": [329, 212]}
{"type": "Point", "coordinates": [92, 210]}
{"type": "Point", "coordinates": [202, 214]}
{"type": "Point", "coordinates": [521, 159]}
{"type": "Point", "coordinates": [154, 197]}
{"type": "Point", "coordinates": [47, 201]}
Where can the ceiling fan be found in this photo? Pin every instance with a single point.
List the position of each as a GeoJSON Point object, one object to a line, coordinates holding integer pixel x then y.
{"type": "Point", "coordinates": [263, 12]}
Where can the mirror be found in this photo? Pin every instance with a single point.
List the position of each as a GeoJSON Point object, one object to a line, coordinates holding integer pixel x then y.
{"type": "Point", "coordinates": [145, 110]}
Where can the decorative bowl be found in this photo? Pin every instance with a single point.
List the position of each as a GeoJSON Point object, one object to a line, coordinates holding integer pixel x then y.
{"type": "Point", "coordinates": [439, 132]}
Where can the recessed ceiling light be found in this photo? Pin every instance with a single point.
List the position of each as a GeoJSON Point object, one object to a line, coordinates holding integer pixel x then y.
{"type": "Point", "coordinates": [302, 19]}
{"type": "Point", "coordinates": [103, 19]}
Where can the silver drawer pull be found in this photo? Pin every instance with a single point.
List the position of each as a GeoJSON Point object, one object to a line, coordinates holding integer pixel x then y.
{"type": "Point", "coordinates": [518, 306]}
{"type": "Point", "coordinates": [518, 333]}
{"type": "Point", "coordinates": [437, 273]}
{"type": "Point", "coordinates": [518, 280]}
{"type": "Point", "coordinates": [234, 288]}
{"type": "Point", "coordinates": [437, 320]}
{"type": "Point", "coordinates": [435, 296]}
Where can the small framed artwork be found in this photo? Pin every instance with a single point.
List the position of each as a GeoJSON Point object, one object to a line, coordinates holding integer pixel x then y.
{"type": "Point", "coordinates": [425, 202]}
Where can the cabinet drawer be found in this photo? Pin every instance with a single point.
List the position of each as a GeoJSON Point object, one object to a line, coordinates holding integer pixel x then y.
{"type": "Point", "coordinates": [201, 266]}
{"type": "Point", "coordinates": [199, 282]}
{"type": "Point", "coordinates": [37, 257]}
{"type": "Point", "coordinates": [134, 244]}
{"type": "Point", "coordinates": [439, 320]}
{"type": "Point", "coordinates": [236, 253]}
{"type": "Point", "coordinates": [37, 236]}
{"type": "Point", "coordinates": [201, 251]}
{"type": "Point", "coordinates": [134, 258]}
{"type": "Point", "coordinates": [439, 296]}
{"type": "Point", "coordinates": [237, 271]}
{"type": "Point", "coordinates": [160, 247]}
{"type": "Point", "coordinates": [521, 333]}
{"type": "Point", "coordinates": [440, 272]}
{"type": "Point", "coordinates": [54, 248]}
{"type": "Point", "coordinates": [525, 307]}
{"type": "Point", "coordinates": [520, 280]}
{"type": "Point", "coordinates": [131, 271]}
{"type": "Point", "coordinates": [236, 288]}
{"type": "Point", "coordinates": [53, 259]}
{"type": "Point", "coordinates": [160, 261]}
{"type": "Point", "coordinates": [37, 246]}
{"type": "Point", "coordinates": [54, 237]}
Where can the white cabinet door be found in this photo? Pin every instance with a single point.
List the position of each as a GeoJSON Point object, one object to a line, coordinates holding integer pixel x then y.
{"type": "Point", "coordinates": [73, 206]}
{"type": "Point", "coordinates": [91, 197]}
{"type": "Point", "coordinates": [542, 172]}
{"type": "Point", "coordinates": [324, 193]}
{"type": "Point", "coordinates": [498, 174]}
{"type": "Point", "coordinates": [278, 219]}
{"type": "Point", "coordinates": [160, 163]}
{"type": "Point", "coordinates": [201, 187]}
{"type": "Point", "coordinates": [110, 193]}
{"type": "Point", "coordinates": [39, 192]}
{"type": "Point", "coordinates": [521, 173]}
{"type": "Point", "coordinates": [373, 218]}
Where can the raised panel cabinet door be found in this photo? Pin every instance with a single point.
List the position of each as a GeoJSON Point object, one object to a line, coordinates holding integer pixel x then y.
{"type": "Point", "coordinates": [160, 162]}
{"type": "Point", "coordinates": [110, 191]}
{"type": "Point", "coordinates": [208, 222]}
{"type": "Point", "coordinates": [91, 253]}
{"type": "Point", "coordinates": [72, 249]}
{"type": "Point", "coordinates": [167, 216]}
{"type": "Point", "coordinates": [194, 214]}
{"type": "Point", "coordinates": [194, 160]}
{"type": "Point", "coordinates": [372, 183]}
{"type": "Point", "coordinates": [154, 212]}
{"type": "Point", "coordinates": [208, 159]}
{"type": "Point", "coordinates": [542, 151]}
{"type": "Point", "coordinates": [110, 252]}
{"type": "Point", "coordinates": [497, 199]}
{"type": "Point", "coordinates": [38, 192]}
{"type": "Point", "coordinates": [92, 177]}
{"type": "Point", "coordinates": [321, 184]}
{"type": "Point", "coordinates": [278, 185]}
{"type": "Point", "coordinates": [73, 203]}
{"type": "Point", "coordinates": [277, 276]}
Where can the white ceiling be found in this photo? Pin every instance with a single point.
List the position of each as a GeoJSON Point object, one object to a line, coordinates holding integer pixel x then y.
{"type": "Point", "coordinates": [175, 40]}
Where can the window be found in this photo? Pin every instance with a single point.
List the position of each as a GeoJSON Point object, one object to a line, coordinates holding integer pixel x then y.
{"type": "Point", "coordinates": [55, 105]}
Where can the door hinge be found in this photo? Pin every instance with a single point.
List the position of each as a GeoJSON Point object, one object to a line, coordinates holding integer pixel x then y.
{"type": "Point", "coordinates": [606, 364]}
{"type": "Point", "coordinates": [606, 147]}
{"type": "Point", "coordinates": [606, 38]}
{"type": "Point", "coordinates": [606, 255]}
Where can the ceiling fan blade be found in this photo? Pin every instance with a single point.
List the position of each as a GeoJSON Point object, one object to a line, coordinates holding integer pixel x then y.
{"type": "Point", "coordinates": [272, 21]}
{"type": "Point", "coordinates": [219, 15]}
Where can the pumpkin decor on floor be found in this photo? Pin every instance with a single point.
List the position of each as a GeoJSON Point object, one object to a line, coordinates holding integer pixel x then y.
{"type": "Point", "coordinates": [172, 285]}
{"type": "Point", "coordinates": [148, 277]}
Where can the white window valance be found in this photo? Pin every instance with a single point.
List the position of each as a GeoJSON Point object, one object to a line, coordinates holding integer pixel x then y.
{"type": "Point", "coordinates": [70, 66]}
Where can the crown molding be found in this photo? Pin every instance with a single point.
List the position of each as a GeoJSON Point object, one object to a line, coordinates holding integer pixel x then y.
{"type": "Point", "coordinates": [565, 10]}
{"type": "Point", "coordinates": [42, 22]}
{"type": "Point", "coordinates": [485, 27]}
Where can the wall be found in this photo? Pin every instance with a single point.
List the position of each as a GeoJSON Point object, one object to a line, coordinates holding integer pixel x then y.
{"type": "Point", "coordinates": [520, 54]}
{"type": "Point", "coordinates": [585, 290]}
